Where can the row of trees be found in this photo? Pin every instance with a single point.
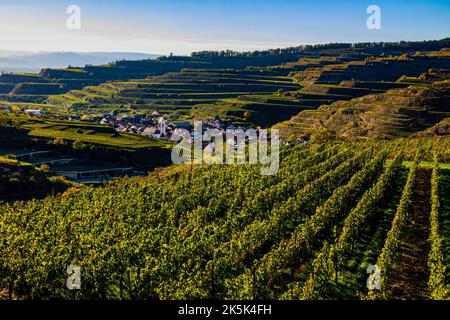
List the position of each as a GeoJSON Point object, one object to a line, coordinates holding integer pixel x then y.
{"type": "Point", "coordinates": [269, 269]}
{"type": "Point", "coordinates": [410, 46]}
{"type": "Point", "coordinates": [438, 288]}
{"type": "Point", "coordinates": [386, 260]}
{"type": "Point", "coordinates": [332, 257]}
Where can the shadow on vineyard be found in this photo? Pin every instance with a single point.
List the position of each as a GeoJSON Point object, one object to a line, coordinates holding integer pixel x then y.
{"type": "Point", "coordinates": [409, 280]}
{"type": "Point", "coordinates": [352, 283]}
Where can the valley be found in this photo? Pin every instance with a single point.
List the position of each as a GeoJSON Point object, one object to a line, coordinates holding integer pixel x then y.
{"type": "Point", "coordinates": [87, 180]}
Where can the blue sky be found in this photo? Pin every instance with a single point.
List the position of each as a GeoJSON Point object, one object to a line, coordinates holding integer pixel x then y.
{"type": "Point", "coordinates": [182, 26]}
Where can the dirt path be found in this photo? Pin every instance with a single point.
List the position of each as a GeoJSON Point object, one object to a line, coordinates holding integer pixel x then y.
{"type": "Point", "coordinates": [409, 281]}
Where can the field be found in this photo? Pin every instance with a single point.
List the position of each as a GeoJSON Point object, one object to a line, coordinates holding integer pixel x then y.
{"type": "Point", "coordinates": [226, 232]}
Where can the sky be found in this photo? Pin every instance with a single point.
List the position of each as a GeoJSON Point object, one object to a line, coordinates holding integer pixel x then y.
{"type": "Point", "coordinates": [183, 26]}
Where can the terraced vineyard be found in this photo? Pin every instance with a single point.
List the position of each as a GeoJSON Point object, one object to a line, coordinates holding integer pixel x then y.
{"type": "Point", "coordinates": [35, 88]}
{"type": "Point", "coordinates": [226, 232]}
{"type": "Point", "coordinates": [236, 91]}
{"type": "Point", "coordinates": [262, 92]}
{"type": "Point", "coordinates": [304, 93]}
{"type": "Point", "coordinates": [386, 101]}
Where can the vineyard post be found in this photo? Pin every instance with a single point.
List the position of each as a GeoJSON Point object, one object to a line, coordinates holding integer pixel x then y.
{"type": "Point", "coordinates": [336, 275]}
{"type": "Point", "coordinates": [129, 284]}
{"type": "Point", "coordinates": [253, 281]}
{"type": "Point", "coordinates": [121, 286]}
{"type": "Point", "coordinates": [213, 293]}
{"type": "Point", "coordinates": [10, 289]}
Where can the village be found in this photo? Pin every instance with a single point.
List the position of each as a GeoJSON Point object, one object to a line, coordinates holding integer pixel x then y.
{"type": "Point", "coordinates": [79, 169]}
{"type": "Point", "coordinates": [153, 125]}
{"type": "Point", "coordinates": [156, 126]}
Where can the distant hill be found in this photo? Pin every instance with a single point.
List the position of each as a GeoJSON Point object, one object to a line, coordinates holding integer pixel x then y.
{"type": "Point", "coordinates": [16, 65]}
{"type": "Point", "coordinates": [22, 61]}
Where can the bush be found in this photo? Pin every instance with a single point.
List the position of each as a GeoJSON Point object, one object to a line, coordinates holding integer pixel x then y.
{"type": "Point", "coordinates": [59, 142]}
{"type": "Point", "coordinates": [79, 146]}
{"type": "Point", "coordinates": [44, 167]}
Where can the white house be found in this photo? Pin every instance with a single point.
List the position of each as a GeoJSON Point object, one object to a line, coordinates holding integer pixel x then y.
{"type": "Point", "coordinates": [33, 112]}
{"type": "Point", "coordinates": [162, 125]}
{"type": "Point", "coordinates": [149, 131]}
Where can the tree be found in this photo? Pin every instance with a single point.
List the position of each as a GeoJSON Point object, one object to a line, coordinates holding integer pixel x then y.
{"type": "Point", "coordinates": [44, 167]}
{"type": "Point", "coordinates": [78, 145]}
{"type": "Point", "coordinates": [404, 56]}
{"type": "Point", "coordinates": [59, 142]}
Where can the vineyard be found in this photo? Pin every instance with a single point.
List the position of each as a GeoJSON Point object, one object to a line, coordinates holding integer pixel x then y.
{"type": "Point", "coordinates": [333, 217]}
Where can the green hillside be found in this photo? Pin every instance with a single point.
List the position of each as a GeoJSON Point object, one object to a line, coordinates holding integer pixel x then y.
{"type": "Point", "coordinates": [22, 127]}
{"type": "Point", "coordinates": [209, 84]}
{"type": "Point", "coordinates": [387, 109]}
{"type": "Point", "coordinates": [35, 88]}
{"type": "Point", "coordinates": [192, 93]}
{"type": "Point", "coordinates": [19, 178]}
